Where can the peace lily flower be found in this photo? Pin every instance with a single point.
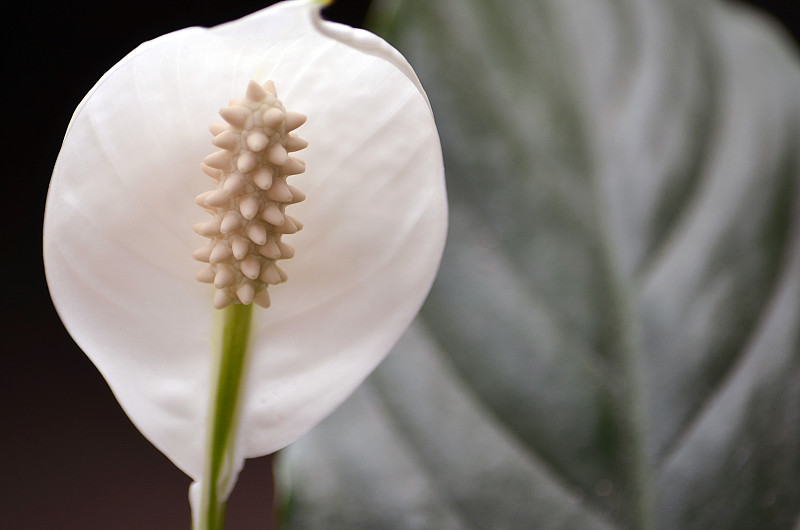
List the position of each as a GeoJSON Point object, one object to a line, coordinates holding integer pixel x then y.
{"type": "Point", "coordinates": [210, 387]}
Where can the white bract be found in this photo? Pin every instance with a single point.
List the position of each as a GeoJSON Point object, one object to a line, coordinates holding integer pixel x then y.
{"type": "Point", "coordinates": [118, 238]}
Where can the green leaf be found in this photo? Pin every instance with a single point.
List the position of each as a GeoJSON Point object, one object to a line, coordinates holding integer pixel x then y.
{"type": "Point", "coordinates": [614, 337]}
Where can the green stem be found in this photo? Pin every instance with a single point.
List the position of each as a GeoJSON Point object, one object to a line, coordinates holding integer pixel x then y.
{"type": "Point", "coordinates": [224, 413]}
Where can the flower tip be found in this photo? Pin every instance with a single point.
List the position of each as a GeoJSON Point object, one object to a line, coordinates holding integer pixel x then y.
{"type": "Point", "coordinates": [262, 298]}
{"type": "Point", "coordinates": [269, 86]}
{"type": "Point", "coordinates": [222, 300]}
{"type": "Point", "coordinates": [245, 293]}
{"type": "Point", "coordinates": [294, 120]}
{"type": "Point", "coordinates": [256, 92]}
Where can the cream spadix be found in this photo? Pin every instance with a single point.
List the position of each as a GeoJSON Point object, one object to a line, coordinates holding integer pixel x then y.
{"type": "Point", "coordinates": [248, 216]}
{"type": "Point", "coordinates": [119, 244]}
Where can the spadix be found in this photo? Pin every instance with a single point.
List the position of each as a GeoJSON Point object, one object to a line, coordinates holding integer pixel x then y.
{"type": "Point", "coordinates": [253, 142]}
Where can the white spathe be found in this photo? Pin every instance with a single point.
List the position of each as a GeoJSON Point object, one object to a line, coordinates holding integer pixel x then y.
{"type": "Point", "coordinates": [118, 236]}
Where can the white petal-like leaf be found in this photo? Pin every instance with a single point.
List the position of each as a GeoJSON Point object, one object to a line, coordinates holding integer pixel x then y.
{"type": "Point", "coordinates": [118, 238]}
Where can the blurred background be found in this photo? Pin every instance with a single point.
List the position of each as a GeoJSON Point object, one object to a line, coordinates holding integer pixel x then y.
{"type": "Point", "coordinates": [69, 458]}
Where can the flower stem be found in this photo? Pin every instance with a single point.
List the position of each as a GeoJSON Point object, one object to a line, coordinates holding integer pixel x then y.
{"type": "Point", "coordinates": [220, 468]}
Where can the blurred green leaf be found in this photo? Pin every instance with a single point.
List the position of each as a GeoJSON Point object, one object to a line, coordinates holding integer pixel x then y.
{"type": "Point", "coordinates": [614, 337]}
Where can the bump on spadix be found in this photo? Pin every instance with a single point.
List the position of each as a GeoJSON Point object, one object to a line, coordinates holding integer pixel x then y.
{"type": "Point", "coordinates": [288, 226]}
{"type": "Point", "coordinates": [214, 173]}
{"type": "Point", "coordinates": [273, 215]}
{"type": "Point", "coordinates": [294, 120]}
{"type": "Point", "coordinates": [271, 249]}
{"type": "Point", "coordinates": [269, 86]}
{"type": "Point", "coordinates": [227, 139]}
{"type": "Point", "coordinates": [217, 198]}
{"type": "Point", "coordinates": [220, 160]}
{"type": "Point", "coordinates": [297, 195]}
{"type": "Point", "coordinates": [262, 298]}
{"type": "Point", "coordinates": [257, 233]}
{"type": "Point", "coordinates": [245, 293]}
{"type": "Point", "coordinates": [217, 128]}
{"type": "Point", "coordinates": [222, 299]}
{"type": "Point", "coordinates": [279, 192]}
{"type": "Point", "coordinates": [221, 253]}
{"type": "Point", "coordinates": [250, 266]}
{"type": "Point", "coordinates": [247, 162]}
{"type": "Point", "coordinates": [235, 184]}
{"type": "Point", "coordinates": [286, 251]}
{"type": "Point", "coordinates": [270, 275]}
{"type": "Point", "coordinates": [236, 116]}
{"type": "Point", "coordinates": [272, 118]}
{"type": "Point", "coordinates": [257, 141]}
{"type": "Point", "coordinates": [240, 247]}
{"type": "Point", "coordinates": [249, 206]}
{"type": "Point", "coordinates": [293, 166]}
{"type": "Point", "coordinates": [205, 275]}
{"type": "Point", "coordinates": [255, 92]}
{"type": "Point", "coordinates": [203, 253]}
{"type": "Point", "coordinates": [209, 228]}
{"type": "Point", "coordinates": [231, 222]}
{"type": "Point", "coordinates": [263, 178]}
{"type": "Point", "coordinates": [224, 277]}
{"type": "Point", "coordinates": [295, 143]}
{"type": "Point", "coordinates": [277, 155]}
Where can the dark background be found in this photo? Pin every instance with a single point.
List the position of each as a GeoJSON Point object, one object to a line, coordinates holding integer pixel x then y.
{"type": "Point", "coordinates": [69, 457]}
